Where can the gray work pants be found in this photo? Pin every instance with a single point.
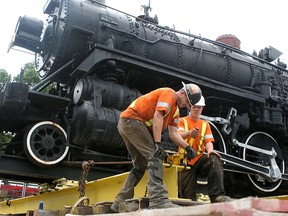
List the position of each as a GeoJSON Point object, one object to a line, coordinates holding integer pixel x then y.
{"type": "Point", "coordinates": [141, 147]}
{"type": "Point", "coordinates": [207, 167]}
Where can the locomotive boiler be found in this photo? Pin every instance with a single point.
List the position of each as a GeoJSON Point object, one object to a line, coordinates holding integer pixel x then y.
{"type": "Point", "coordinates": [95, 60]}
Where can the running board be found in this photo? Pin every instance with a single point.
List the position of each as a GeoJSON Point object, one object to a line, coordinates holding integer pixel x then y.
{"type": "Point", "coordinates": [247, 165]}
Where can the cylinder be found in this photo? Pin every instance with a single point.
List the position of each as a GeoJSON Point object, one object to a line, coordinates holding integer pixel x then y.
{"type": "Point", "coordinates": [96, 128]}
{"type": "Point", "coordinates": [106, 94]}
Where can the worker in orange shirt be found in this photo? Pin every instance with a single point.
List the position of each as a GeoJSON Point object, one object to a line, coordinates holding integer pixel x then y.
{"type": "Point", "coordinates": [197, 133]}
{"type": "Point", "coordinates": [141, 126]}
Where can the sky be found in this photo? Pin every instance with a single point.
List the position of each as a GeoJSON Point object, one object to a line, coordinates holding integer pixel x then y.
{"type": "Point", "coordinates": [256, 23]}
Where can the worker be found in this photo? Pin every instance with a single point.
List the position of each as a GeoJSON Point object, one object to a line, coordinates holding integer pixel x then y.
{"type": "Point", "coordinates": [197, 133]}
{"type": "Point", "coordinates": [140, 126]}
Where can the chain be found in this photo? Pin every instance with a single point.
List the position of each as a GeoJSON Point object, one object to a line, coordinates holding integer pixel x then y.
{"type": "Point", "coordinates": [86, 165]}
{"type": "Point", "coordinates": [146, 192]}
{"type": "Point", "coordinates": [180, 185]}
{"type": "Point", "coordinates": [78, 163]}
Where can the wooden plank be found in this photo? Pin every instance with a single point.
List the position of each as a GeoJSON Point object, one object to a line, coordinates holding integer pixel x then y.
{"type": "Point", "coordinates": [102, 208]}
{"type": "Point", "coordinates": [29, 213]}
{"type": "Point", "coordinates": [242, 207]}
{"type": "Point", "coordinates": [40, 212]}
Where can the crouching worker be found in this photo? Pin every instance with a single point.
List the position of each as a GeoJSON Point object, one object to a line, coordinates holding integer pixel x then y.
{"type": "Point", "coordinates": [140, 126]}
{"type": "Point", "coordinates": [197, 133]}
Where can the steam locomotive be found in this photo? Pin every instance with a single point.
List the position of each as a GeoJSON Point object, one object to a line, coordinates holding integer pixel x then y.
{"type": "Point", "coordinates": [95, 60]}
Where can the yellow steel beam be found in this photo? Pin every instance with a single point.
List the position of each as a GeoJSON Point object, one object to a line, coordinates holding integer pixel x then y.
{"type": "Point", "coordinates": [101, 190]}
{"type": "Point", "coordinates": [281, 197]}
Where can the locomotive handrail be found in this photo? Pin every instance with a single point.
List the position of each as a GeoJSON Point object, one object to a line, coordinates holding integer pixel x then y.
{"type": "Point", "coordinates": [47, 79]}
{"type": "Point", "coordinates": [195, 36]}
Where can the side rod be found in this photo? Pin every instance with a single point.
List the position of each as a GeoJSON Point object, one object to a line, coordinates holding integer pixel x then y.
{"type": "Point", "coordinates": [247, 165]}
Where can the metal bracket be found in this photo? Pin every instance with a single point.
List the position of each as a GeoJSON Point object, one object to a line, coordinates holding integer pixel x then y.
{"type": "Point", "coordinates": [227, 127]}
{"type": "Point", "coordinates": [224, 121]}
{"type": "Point", "coordinates": [273, 173]}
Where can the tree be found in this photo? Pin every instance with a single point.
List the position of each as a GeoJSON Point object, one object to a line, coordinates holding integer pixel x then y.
{"type": "Point", "coordinates": [5, 138]}
{"type": "Point", "coordinates": [3, 77]}
{"type": "Point", "coordinates": [31, 78]}
{"type": "Point", "coordinates": [30, 75]}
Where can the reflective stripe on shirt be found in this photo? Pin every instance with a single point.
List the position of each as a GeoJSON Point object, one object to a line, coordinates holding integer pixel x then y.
{"type": "Point", "coordinates": [150, 122]}
{"type": "Point", "coordinates": [203, 131]}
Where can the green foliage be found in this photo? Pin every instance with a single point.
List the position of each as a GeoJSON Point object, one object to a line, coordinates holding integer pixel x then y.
{"type": "Point", "coordinates": [30, 75]}
{"type": "Point", "coordinates": [3, 77]}
{"type": "Point", "coordinates": [5, 137]}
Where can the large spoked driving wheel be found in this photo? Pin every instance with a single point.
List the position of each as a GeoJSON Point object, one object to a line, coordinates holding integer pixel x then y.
{"type": "Point", "coordinates": [219, 143]}
{"type": "Point", "coordinates": [45, 144]}
{"type": "Point", "coordinates": [264, 141]}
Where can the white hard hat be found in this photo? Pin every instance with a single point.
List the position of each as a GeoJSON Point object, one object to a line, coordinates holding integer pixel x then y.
{"type": "Point", "coordinates": [201, 102]}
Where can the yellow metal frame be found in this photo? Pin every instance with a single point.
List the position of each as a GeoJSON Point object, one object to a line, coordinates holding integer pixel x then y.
{"type": "Point", "coordinates": [101, 190]}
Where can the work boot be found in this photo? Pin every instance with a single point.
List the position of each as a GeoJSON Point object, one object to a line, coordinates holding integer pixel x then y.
{"type": "Point", "coordinates": [221, 199]}
{"type": "Point", "coordinates": [202, 198]}
{"type": "Point", "coordinates": [158, 193]}
{"type": "Point", "coordinates": [127, 191]}
{"type": "Point", "coordinates": [115, 207]}
{"type": "Point", "coordinates": [164, 205]}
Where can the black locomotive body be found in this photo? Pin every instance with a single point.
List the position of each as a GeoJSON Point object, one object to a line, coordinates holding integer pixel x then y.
{"type": "Point", "coordinates": [100, 59]}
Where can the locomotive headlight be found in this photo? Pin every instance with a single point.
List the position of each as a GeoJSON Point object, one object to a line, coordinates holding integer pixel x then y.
{"type": "Point", "coordinates": [27, 33]}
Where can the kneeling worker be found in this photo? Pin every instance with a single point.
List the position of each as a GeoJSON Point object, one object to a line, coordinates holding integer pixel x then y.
{"type": "Point", "coordinates": [197, 133]}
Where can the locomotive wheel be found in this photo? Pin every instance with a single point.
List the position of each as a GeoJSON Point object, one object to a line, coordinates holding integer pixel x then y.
{"type": "Point", "coordinates": [45, 144]}
{"type": "Point", "coordinates": [265, 141]}
{"type": "Point", "coordinates": [219, 143]}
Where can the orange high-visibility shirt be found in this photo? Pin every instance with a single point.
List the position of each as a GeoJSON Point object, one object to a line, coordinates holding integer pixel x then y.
{"type": "Point", "coordinates": [144, 107]}
{"type": "Point", "coordinates": [205, 135]}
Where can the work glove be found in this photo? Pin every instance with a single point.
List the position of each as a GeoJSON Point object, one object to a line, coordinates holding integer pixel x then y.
{"type": "Point", "coordinates": [159, 152]}
{"type": "Point", "coordinates": [191, 153]}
